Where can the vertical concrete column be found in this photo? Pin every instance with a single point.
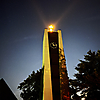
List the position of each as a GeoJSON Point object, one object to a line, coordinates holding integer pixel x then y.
{"type": "Point", "coordinates": [47, 84]}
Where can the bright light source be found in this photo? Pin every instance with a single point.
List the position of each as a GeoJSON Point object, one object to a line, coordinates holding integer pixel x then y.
{"type": "Point", "coordinates": [83, 99]}
{"type": "Point", "coordinates": [51, 27]}
{"type": "Point", "coordinates": [51, 30]}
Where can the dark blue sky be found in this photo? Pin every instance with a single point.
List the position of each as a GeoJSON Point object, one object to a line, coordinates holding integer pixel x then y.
{"type": "Point", "coordinates": [21, 30]}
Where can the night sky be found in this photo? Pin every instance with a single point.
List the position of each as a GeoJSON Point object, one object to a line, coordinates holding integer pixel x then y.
{"type": "Point", "coordinates": [22, 23]}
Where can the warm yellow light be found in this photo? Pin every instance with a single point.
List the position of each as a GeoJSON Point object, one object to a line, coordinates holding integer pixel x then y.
{"type": "Point", "coordinates": [51, 27]}
{"type": "Point", "coordinates": [51, 30]}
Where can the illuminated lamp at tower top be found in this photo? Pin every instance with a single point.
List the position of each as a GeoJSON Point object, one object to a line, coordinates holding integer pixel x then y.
{"type": "Point", "coordinates": [51, 28]}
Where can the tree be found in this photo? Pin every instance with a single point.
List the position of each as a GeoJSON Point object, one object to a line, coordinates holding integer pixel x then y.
{"type": "Point", "coordinates": [32, 86]}
{"type": "Point", "coordinates": [88, 77]}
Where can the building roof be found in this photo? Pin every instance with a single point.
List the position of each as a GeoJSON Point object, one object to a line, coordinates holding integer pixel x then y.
{"type": "Point", "coordinates": [5, 91]}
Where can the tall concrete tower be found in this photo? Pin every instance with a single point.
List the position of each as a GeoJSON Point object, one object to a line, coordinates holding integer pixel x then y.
{"type": "Point", "coordinates": [55, 80]}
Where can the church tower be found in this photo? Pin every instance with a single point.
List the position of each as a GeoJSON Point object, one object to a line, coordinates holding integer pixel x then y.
{"type": "Point", "coordinates": [55, 79]}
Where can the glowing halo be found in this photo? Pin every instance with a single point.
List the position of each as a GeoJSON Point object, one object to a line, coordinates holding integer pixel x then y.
{"type": "Point", "coordinates": [51, 27]}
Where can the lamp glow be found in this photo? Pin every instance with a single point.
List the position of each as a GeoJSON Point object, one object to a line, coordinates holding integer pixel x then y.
{"type": "Point", "coordinates": [51, 27]}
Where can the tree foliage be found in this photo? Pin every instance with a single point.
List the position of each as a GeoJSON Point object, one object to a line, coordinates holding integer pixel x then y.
{"type": "Point", "coordinates": [88, 77]}
{"type": "Point", "coordinates": [32, 86]}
